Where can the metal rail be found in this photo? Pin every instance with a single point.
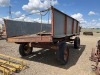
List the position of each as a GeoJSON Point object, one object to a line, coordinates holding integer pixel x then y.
{"type": "Point", "coordinates": [10, 65]}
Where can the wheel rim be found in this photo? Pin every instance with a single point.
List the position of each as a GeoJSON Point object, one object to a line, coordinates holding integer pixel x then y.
{"type": "Point", "coordinates": [27, 49]}
{"type": "Point", "coordinates": [65, 54]}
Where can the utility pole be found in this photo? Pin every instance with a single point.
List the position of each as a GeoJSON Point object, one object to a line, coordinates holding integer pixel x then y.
{"type": "Point", "coordinates": [10, 15]}
{"type": "Point", "coordinates": [50, 2]}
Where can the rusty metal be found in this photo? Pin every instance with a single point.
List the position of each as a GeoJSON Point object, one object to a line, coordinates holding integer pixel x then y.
{"type": "Point", "coordinates": [95, 57]}
{"type": "Point", "coordinates": [45, 45]}
{"type": "Point", "coordinates": [31, 39]}
{"type": "Point", "coordinates": [52, 21]}
{"type": "Point", "coordinates": [65, 30]}
{"type": "Point", "coordinates": [77, 27]}
{"type": "Point", "coordinates": [72, 26]}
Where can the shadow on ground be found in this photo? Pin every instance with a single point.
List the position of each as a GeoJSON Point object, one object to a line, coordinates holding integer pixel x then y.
{"type": "Point", "coordinates": [49, 57]}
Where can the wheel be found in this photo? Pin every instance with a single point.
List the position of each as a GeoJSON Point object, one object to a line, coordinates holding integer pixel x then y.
{"type": "Point", "coordinates": [63, 53]}
{"type": "Point", "coordinates": [77, 43]}
{"type": "Point", "coordinates": [25, 50]}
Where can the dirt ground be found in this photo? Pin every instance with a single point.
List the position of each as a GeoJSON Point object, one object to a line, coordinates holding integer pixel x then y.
{"type": "Point", "coordinates": [44, 63]}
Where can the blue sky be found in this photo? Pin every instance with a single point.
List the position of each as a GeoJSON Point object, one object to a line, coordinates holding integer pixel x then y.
{"type": "Point", "coordinates": [86, 11]}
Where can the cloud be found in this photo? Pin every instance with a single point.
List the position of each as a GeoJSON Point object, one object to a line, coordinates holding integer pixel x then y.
{"type": "Point", "coordinates": [95, 23]}
{"type": "Point", "coordinates": [92, 24]}
{"type": "Point", "coordinates": [4, 3]}
{"type": "Point", "coordinates": [21, 18]}
{"type": "Point", "coordinates": [1, 21]}
{"type": "Point", "coordinates": [34, 6]}
{"type": "Point", "coordinates": [91, 13]}
{"type": "Point", "coordinates": [38, 5]}
{"type": "Point", "coordinates": [18, 14]}
{"type": "Point", "coordinates": [93, 20]}
{"type": "Point", "coordinates": [79, 17]}
{"type": "Point", "coordinates": [36, 20]}
{"type": "Point", "coordinates": [34, 11]}
{"type": "Point", "coordinates": [29, 19]}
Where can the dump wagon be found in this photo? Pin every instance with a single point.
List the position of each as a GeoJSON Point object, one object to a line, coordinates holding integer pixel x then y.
{"type": "Point", "coordinates": [48, 36]}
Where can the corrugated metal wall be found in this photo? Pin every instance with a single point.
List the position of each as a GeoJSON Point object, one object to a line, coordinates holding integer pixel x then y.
{"type": "Point", "coordinates": [59, 25]}
{"type": "Point", "coordinates": [59, 21]}
{"type": "Point", "coordinates": [17, 28]}
{"type": "Point", "coordinates": [69, 26]}
{"type": "Point", "coordinates": [75, 23]}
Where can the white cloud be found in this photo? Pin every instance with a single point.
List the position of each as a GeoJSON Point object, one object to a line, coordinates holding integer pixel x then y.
{"type": "Point", "coordinates": [34, 11]}
{"type": "Point", "coordinates": [98, 24]}
{"type": "Point", "coordinates": [91, 13]}
{"type": "Point", "coordinates": [4, 3]}
{"type": "Point", "coordinates": [36, 20]}
{"type": "Point", "coordinates": [29, 19]}
{"type": "Point", "coordinates": [91, 24]}
{"type": "Point", "coordinates": [21, 18]}
{"type": "Point", "coordinates": [38, 4]}
{"type": "Point", "coordinates": [93, 20]}
{"type": "Point", "coordinates": [34, 6]}
{"type": "Point", "coordinates": [18, 14]}
{"type": "Point", "coordinates": [79, 17]}
{"type": "Point", "coordinates": [1, 21]}
{"type": "Point", "coordinates": [95, 23]}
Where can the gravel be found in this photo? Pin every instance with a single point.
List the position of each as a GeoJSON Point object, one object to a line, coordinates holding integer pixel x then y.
{"type": "Point", "coordinates": [44, 63]}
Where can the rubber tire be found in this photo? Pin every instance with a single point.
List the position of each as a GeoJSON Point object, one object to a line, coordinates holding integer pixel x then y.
{"type": "Point", "coordinates": [60, 53]}
{"type": "Point", "coordinates": [77, 43]}
{"type": "Point", "coordinates": [22, 50]}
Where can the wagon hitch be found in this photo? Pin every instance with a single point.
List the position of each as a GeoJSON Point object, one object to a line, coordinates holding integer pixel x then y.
{"type": "Point", "coordinates": [95, 57]}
